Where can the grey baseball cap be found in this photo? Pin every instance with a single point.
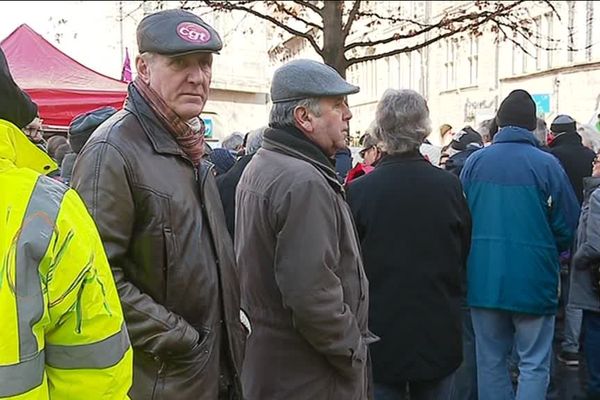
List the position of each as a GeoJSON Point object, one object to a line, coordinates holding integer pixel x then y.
{"type": "Point", "coordinates": [176, 32]}
{"type": "Point", "coordinates": [302, 79]}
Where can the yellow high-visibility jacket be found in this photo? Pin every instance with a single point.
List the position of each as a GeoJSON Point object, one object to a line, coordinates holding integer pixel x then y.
{"type": "Point", "coordinates": [62, 333]}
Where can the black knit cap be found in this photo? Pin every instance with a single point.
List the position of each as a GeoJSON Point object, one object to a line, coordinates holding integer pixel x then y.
{"type": "Point", "coordinates": [563, 124]}
{"type": "Point", "coordinates": [517, 109]}
{"type": "Point", "coordinates": [15, 105]}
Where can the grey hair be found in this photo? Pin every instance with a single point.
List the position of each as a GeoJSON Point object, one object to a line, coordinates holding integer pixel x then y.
{"type": "Point", "coordinates": [254, 141]}
{"type": "Point", "coordinates": [233, 141]}
{"type": "Point", "coordinates": [589, 136]}
{"type": "Point", "coordinates": [403, 122]}
{"type": "Point", "coordinates": [282, 114]}
{"type": "Point", "coordinates": [148, 57]}
{"type": "Point", "coordinates": [541, 131]}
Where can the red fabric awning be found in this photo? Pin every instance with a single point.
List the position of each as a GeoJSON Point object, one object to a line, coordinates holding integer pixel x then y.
{"type": "Point", "coordinates": [61, 86]}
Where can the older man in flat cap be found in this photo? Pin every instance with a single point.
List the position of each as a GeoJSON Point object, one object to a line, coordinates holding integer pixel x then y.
{"type": "Point", "coordinates": [160, 217]}
{"type": "Point", "coordinates": [301, 273]}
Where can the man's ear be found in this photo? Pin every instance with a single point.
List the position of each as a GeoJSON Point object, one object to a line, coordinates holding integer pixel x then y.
{"type": "Point", "coordinates": [143, 69]}
{"type": "Point", "coordinates": [303, 119]}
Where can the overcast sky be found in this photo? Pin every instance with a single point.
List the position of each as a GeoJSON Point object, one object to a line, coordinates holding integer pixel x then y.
{"type": "Point", "coordinates": [89, 33]}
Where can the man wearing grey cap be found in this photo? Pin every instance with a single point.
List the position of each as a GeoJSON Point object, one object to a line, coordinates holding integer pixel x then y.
{"type": "Point", "coordinates": [158, 211]}
{"type": "Point", "coordinates": [301, 273]}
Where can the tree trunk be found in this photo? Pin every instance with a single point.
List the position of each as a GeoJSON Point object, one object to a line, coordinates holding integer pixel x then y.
{"type": "Point", "coordinates": [333, 36]}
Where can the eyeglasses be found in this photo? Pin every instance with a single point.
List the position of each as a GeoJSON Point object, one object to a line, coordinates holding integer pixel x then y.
{"type": "Point", "coordinates": [363, 151]}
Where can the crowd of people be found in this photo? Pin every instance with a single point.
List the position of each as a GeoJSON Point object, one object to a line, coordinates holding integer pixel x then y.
{"type": "Point", "coordinates": [138, 262]}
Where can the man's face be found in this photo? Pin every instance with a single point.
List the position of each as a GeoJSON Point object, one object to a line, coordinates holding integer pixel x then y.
{"type": "Point", "coordinates": [182, 81]}
{"type": "Point", "coordinates": [329, 130]}
{"type": "Point", "coordinates": [34, 130]}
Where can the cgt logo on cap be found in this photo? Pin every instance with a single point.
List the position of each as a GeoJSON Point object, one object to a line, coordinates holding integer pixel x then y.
{"type": "Point", "coordinates": [193, 33]}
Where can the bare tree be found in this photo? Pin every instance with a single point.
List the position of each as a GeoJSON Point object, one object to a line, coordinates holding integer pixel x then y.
{"type": "Point", "coordinates": [333, 28]}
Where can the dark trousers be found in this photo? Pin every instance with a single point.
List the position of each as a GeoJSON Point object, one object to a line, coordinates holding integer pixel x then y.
{"type": "Point", "coordinates": [591, 326]}
{"type": "Point", "coordinates": [465, 381]}
{"type": "Point", "coordinates": [438, 389]}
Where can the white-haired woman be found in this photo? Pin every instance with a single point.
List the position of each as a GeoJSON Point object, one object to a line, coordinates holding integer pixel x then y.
{"type": "Point", "coordinates": [414, 225]}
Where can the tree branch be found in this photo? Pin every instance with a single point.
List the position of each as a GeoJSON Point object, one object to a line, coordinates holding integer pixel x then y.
{"type": "Point", "coordinates": [232, 6]}
{"type": "Point", "coordinates": [374, 15]}
{"type": "Point", "coordinates": [308, 4]}
{"type": "Point", "coordinates": [351, 17]}
{"type": "Point", "coordinates": [406, 49]}
{"type": "Point", "coordinates": [476, 19]}
{"type": "Point", "coordinates": [426, 43]}
{"type": "Point", "coordinates": [282, 8]}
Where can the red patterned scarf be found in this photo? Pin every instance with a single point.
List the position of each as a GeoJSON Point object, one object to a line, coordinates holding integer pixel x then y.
{"type": "Point", "coordinates": [192, 143]}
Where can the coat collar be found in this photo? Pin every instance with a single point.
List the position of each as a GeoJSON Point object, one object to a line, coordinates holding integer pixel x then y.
{"type": "Point", "coordinates": [515, 134]}
{"type": "Point", "coordinates": [162, 141]}
{"type": "Point", "coordinates": [291, 142]}
{"type": "Point", "coordinates": [16, 151]}
{"type": "Point", "coordinates": [566, 139]}
{"type": "Point", "coordinates": [401, 159]}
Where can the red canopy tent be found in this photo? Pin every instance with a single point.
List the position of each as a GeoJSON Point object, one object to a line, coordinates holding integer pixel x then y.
{"type": "Point", "coordinates": [61, 87]}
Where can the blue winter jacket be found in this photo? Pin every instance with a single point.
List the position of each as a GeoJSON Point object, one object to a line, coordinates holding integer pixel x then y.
{"type": "Point", "coordinates": [524, 213]}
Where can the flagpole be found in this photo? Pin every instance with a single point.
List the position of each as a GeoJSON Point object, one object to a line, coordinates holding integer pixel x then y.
{"type": "Point", "coordinates": [121, 30]}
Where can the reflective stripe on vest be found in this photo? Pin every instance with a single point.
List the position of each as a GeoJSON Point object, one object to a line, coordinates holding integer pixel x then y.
{"type": "Point", "coordinates": [22, 377]}
{"type": "Point", "coordinates": [32, 244]}
{"type": "Point", "coordinates": [103, 354]}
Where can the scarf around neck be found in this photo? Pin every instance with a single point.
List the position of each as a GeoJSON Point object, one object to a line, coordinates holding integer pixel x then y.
{"type": "Point", "coordinates": [191, 142]}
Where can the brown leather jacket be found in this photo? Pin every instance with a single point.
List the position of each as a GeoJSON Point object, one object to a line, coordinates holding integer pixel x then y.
{"type": "Point", "coordinates": [163, 228]}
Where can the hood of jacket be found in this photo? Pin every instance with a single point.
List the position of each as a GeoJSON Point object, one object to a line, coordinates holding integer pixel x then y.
{"type": "Point", "coordinates": [16, 151]}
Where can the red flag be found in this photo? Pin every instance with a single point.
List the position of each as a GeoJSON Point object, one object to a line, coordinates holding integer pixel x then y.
{"type": "Point", "coordinates": [126, 72]}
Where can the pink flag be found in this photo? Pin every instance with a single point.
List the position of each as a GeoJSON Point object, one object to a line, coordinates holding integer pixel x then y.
{"type": "Point", "coordinates": [126, 72]}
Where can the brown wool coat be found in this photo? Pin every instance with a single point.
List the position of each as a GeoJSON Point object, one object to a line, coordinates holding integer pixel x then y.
{"type": "Point", "coordinates": [302, 281]}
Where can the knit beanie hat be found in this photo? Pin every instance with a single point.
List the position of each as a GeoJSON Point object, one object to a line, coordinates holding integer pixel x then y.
{"type": "Point", "coordinates": [222, 159]}
{"type": "Point", "coordinates": [563, 124]}
{"type": "Point", "coordinates": [83, 125]}
{"type": "Point", "coordinates": [464, 137]}
{"type": "Point", "coordinates": [15, 105]}
{"type": "Point", "coordinates": [517, 109]}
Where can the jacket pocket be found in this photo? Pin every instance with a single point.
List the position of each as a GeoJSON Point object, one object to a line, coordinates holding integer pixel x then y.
{"type": "Point", "coordinates": [169, 255]}
{"type": "Point", "coordinates": [197, 358]}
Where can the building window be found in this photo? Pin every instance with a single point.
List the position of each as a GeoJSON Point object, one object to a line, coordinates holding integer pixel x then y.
{"type": "Point", "coordinates": [571, 30]}
{"type": "Point", "coordinates": [538, 43]}
{"type": "Point", "coordinates": [450, 64]}
{"type": "Point", "coordinates": [473, 59]}
{"type": "Point", "coordinates": [549, 39]}
{"type": "Point", "coordinates": [526, 48]}
{"type": "Point", "coordinates": [589, 8]}
{"type": "Point", "coordinates": [515, 50]}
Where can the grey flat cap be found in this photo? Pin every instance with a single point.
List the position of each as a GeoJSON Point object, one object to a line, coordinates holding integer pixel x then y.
{"type": "Point", "coordinates": [302, 79]}
{"type": "Point", "coordinates": [175, 33]}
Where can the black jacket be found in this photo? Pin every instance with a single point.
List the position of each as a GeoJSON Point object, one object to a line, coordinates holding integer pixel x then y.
{"type": "Point", "coordinates": [227, 183]}
{"type": "Point", "coordinates": [163, 229]}
{"type": "Point", "coordinates": [415, 230]}
{"type": "Point", "coordinates": [457, 161]}
{"type": "Point", "coordinates": [575, 158]}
